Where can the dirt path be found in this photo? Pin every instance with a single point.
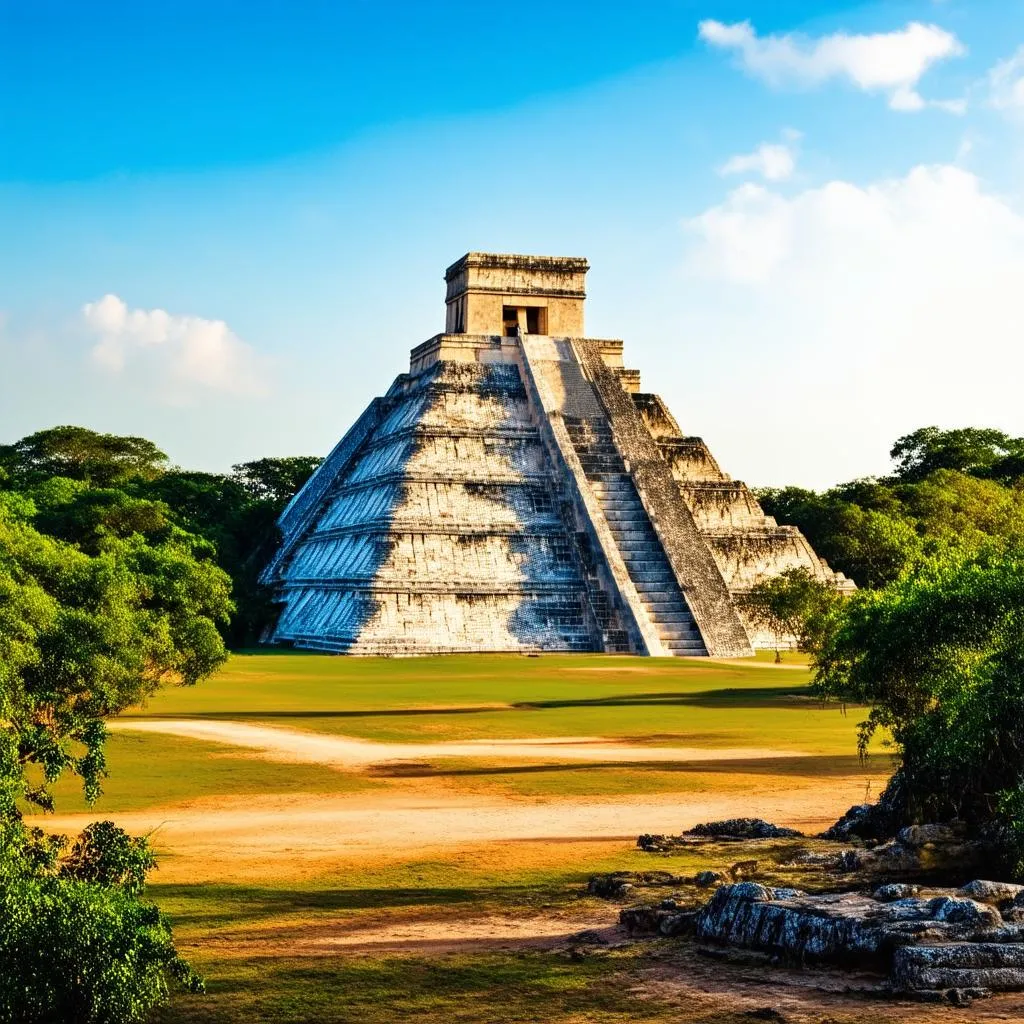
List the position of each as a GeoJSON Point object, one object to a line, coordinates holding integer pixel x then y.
{"type": "Point", "coordinates": [297, 747]}
{"type": "Point", "coordinates": [253, 837]}
{"type": "Point", "coordinates": [415, 933]}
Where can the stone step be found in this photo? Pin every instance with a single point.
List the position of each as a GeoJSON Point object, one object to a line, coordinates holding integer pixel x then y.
{"type": "Point", "coordinates": [656, 579]}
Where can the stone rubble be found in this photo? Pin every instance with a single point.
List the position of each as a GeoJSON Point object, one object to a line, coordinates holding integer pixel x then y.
{"type": "Point", "coordinates": [929, 943]}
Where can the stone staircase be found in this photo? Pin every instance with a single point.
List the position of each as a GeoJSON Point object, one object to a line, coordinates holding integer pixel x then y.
{"type": "Point", "coordinates": [634, 535]}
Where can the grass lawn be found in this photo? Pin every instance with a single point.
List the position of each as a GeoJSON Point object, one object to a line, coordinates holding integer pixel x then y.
{"type": "Point", "coordinates": [661, 701]}
{"type": "Point", "coordinates": [275, 943]}
{"type": "Point", "coordinates": [148, 769]}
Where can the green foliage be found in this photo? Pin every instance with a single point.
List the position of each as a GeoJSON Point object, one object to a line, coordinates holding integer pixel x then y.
{"type": "Point", "coordinates": [81, 454]}
{"type": "Point", "coordinates": [92, 489]}
{"type": "Point", "coordinates": [793, 604]}
{"type": "Point", "coordinates": [107, 855]}
{"type": "Point", "coordinates": [875, 531]}
{"type": "Point", "coordinates": [871, 545]}
{"type": "Point", "coordinates": [939, 656]}
{"type": "Point", "coordinates": [109, 589]}
{"type": "Point", "coordinates": [977, 451]}
{"type": "Point", "coordinates": [88, 629]}
{"type": "Point", "coordinates": [274, 480]}
{"type": "Point", "coordinates": [82, 637]}
{"type": "Point", "coordinates": [76, 942]}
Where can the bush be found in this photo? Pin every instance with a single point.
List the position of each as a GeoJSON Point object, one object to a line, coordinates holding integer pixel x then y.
{"type": "Point", "coordinates": [939, 657]}
{"type": "Point", "coordinates": [82, 952]}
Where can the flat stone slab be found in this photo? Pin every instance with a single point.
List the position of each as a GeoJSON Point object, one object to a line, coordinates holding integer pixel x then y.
{"type": "Point", "coordinates": [837, 927]}
{"type": "Point", "coordinates": [998, 967]}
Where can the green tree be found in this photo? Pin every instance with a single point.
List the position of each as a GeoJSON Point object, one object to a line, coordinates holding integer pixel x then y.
{"type": "Point", "coordinates": [939, 657]}
{"type": "Point", "coordinates": [971, 450]}
{"type": "Point", "coordinates": [791, 606]}
{"type": "Point", "coordinates": [275, 480]}
{"type": "Point", "coordinates": [873, 543]}
{"type": "Point", "coordinates": [81, 454]}
{"type": "Point", "coordinates": [82, 637]}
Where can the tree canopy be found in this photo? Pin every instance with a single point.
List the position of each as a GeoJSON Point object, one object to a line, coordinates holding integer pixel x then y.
{"type": "Point", "coordinates": [977, 451]}
{"type": "Point", "coordinates": [81, 454]}
{"type": "Point", "coordinates": [938, 656]}
{"type": "Point", "coordinates": [94, 617]}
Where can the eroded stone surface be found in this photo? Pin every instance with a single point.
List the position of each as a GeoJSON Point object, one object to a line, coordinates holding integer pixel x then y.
{"type": "Point", "coordinates": [835, 926]}
{"type": "Point", "coordinates": [515, 491]}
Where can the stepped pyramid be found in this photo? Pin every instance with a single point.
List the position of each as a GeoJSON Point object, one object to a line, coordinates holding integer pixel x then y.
{"type": "Point", "coordinates": [517, 491]}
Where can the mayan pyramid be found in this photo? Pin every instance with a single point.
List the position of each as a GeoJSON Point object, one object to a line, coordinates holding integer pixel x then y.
{"type": "Point", "coordinates": [517, 491]}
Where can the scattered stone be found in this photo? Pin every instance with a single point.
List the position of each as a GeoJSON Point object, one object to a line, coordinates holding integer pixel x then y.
{"type": "Point", "coordinates": [992, 892]}
{"type": "Point", "coordinates": [657, 920]}
{"type": "Point", "coordinates": [743, 828]}
{"type": "Point", "coordinates": [589, 937]}
{"type": "Point", "coordinates": [619, 884]}
{"type": "Point", "coordinates": [850, 860]}
{"type": "Point", "coordinates": [815, 858]}
{"type": "Point", "coordinates": [664, 844]}
{"type": "Point", "coordinates": [743, 869]}
{"type": "Point", "coordinates": [836, 927]}
{"type": "Point", "coordinates": [964, 965]}
{"type": "Point", "coordinates": [959, 910]}
{"type": "Point", "coordinates": [916, 836]}
{"type": "Point", "coordinates": [706, 879]}
{"type": "Point", "coordinates": [858, 822]}
{"type": "Point", "coordinates": [895, 891]}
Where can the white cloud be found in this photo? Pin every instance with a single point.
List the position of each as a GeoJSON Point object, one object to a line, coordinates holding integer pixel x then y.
{"type": "Point", "coordinates": [773, 161]}
{"type": "Point", "coordinates": [890, 305]}
{"type": "Point", "coordinates": [1006, 84]}
{"type": "Point", "coordinates": [891, 62]}
{"type": "Point", "coordinates": [183, 351]}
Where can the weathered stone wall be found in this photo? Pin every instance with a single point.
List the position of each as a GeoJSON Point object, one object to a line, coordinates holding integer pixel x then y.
{"type": "Point", "coordinates": [747, 545]}
{"type": "Point", "coordinates": [480, 284]}
{"type": "Point", "coordinates": [442, 532]}
{"type": "Point", "coordinates": [694, 566]}
{"type": "Point", "coordinates": [520, 493]}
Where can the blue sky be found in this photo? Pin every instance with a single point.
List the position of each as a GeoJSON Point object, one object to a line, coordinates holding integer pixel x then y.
{"type": "Point", "coordinates": [224, 225]}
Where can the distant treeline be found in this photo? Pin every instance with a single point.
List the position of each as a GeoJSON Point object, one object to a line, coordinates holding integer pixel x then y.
{"type": "Point", "coordinates": [89, 489]}
{"type": "Point", "coordinates": [950, 490]}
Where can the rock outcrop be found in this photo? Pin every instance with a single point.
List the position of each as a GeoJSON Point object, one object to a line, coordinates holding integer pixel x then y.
{"type": "Point", "coordinates": [944, 943]}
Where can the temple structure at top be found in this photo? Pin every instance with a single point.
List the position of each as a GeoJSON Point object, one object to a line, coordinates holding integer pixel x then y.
{"type": "Point", "coordinates": [517, 490]}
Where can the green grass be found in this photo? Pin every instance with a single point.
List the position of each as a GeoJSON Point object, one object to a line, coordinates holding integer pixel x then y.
{"type": "Point", "coordinates": [237, 932]}
{"type": "Point", "coordinates": [488, 985]}
{"type": "Point", "coordinates": [660, 701]}
{"type": "Point", "coordinates": [492, 987]}
{"type": "Point", "coordinates": [148, 769]}
{"type": "Point", "coordinates": [581, 779]}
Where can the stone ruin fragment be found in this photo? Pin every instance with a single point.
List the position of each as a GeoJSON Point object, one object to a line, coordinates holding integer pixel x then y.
{"type": "Point", "coordinates": [516, 490]}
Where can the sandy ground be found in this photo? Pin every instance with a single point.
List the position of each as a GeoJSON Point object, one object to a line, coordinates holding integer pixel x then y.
{"type": "Point", "coordinates": [296, 747]}
{"type": "Point", "coordinates": [227, 838]}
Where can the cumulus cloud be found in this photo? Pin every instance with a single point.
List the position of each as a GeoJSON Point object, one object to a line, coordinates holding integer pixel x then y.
{"type": "Point", "coordinates": [184, 351]}
{"type": "Point", "coordinates": [890, 62]}
{"type": "Point", "coordinates": [893, 304]}
{"type": "Point", "coordinates": [774, 161]}
{"type": "Point", "coordinates": [1006, 84]}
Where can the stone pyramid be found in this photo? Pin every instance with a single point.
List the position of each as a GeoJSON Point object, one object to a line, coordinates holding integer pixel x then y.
{"type": "Point", "coordinates": [517, 491]}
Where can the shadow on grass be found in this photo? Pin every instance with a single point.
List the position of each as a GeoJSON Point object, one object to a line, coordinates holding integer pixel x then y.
{"type": "Point", "coordinates": [212, 905]}
{"type": "Point", "coordinates": [491, 986]}
{"type": "Point", "coordinates": [791, 697]}
{"type": "Point", "coordinates": [364, 713]}
{"type": "Point", "coordinates": [811, 766]}
{"type": "Point", "coordinates": [736, 697]}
